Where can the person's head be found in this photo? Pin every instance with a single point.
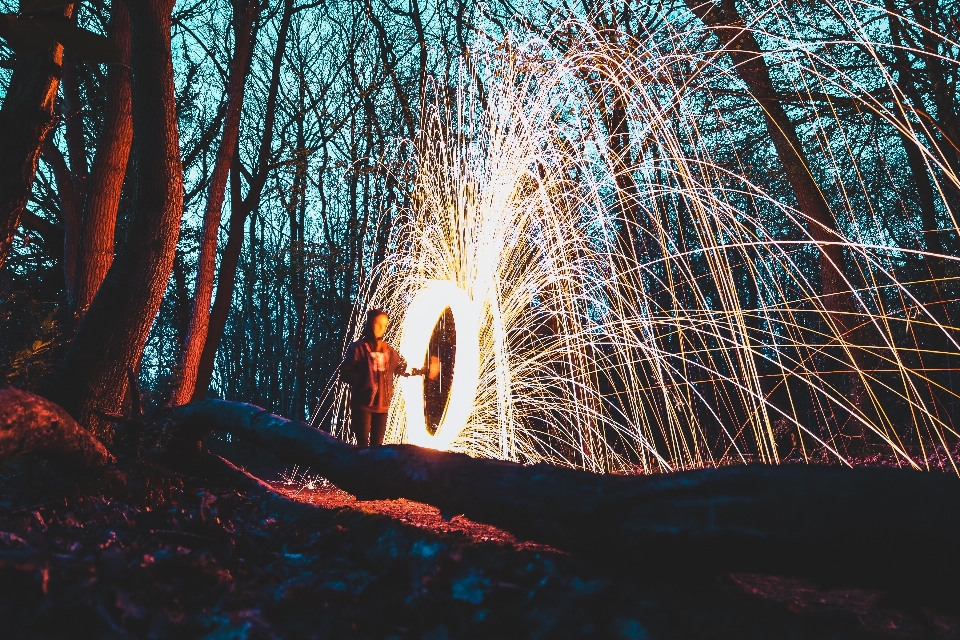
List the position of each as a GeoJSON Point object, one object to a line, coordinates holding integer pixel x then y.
{"type": "Point", "coordinates": [376, 324]}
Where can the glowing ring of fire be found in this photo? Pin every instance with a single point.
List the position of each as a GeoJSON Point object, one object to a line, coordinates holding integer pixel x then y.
{"type": "Point", "coordinates": [422, 316]}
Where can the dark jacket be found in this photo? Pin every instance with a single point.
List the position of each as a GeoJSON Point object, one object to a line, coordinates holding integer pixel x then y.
{"type": "Point", "coordinates": [372, 389]}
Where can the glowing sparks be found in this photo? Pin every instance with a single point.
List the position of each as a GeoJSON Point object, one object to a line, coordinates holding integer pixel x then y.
{"type": "Point", "coordinates": [660, 315]}
{"type": "Point", "coordinates": [421, 316]}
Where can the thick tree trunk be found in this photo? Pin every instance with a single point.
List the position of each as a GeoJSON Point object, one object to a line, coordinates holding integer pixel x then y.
{"type": "Point", "coordinates": [870, 525]}
{"type": "Point", "coordinates": [885, 527]}
{"type": "Point", "coordinates": [112, 334]}
{"type": "Point", "coordinates": [31, 424]}
{"type": "Point", "coordinates": [105, 185]}
{"type": "Point", "coordinates": [240, 209]}
{"type": "Point", "coordinates": [192, 348]}
{"type": "Point", "coordinates": [25, 119]}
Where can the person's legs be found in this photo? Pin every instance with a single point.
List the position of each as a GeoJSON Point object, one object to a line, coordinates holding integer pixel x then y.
{"type": "Point", "coordinates": [361, 425]}
{"type": "Point", "coordinates": [378, 427]}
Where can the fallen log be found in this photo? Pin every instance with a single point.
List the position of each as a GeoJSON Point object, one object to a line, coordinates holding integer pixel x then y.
{"type": "Point", "coordinates": [31, 424]}
{"type": "Point", "coordinates": [878, 526]}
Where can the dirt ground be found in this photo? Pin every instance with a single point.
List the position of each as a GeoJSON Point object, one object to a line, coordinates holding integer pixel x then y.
{"type": "Point", "coordinates": [146, 552]}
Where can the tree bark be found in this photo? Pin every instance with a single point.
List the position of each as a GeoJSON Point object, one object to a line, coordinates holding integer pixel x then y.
{"type": "Point", "coordinates": [240, 209]}
{"type": "Point", "coordinates": [112, 334]}
{"type": "Point", "coordinates": [31, 424]}
{"type": "Point", "coordinates": [614, 117]}
{"type": "Point", "coordinates": [225, 286]}
{"type": "Point", "coordinates": [869, 525]}
{"type": "Point", "coordinates": [25, 119]}
{"type": "Point", "coordinates": [192, 348]}
{"type": "Point", "coordinates": [105, 185]}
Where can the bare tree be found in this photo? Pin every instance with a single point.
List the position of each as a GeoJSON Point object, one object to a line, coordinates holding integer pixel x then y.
{"type": "Point", "coordinates": [244, 20]}
{"type": "Point", "coordinates": [241, 207]}
{"type": "Point", "coordinates": [105, 185]}
{"type": "Point", "coordinates": [110, 339]}
{"type": "Point", "coordinates": [26, 117]}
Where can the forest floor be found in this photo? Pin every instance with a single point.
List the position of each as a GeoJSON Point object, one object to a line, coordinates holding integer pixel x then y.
{"type": "Point", "coordinates": [147, 552]}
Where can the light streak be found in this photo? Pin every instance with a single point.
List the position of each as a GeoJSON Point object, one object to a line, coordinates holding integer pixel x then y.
{"type": "Point", "coordinates": [691, 331]}
{"type": "Point", "coordinates": [421, 316]}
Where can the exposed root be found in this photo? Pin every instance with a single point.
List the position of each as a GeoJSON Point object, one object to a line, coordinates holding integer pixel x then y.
{"type": "Point", "coordinates": [31, 424]}
{"type": "Point", "coordinates": [822, 522]}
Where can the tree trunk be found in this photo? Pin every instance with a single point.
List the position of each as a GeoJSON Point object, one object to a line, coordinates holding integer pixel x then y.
{"type": "Point", "coordinates": [192, 348]}
{"type": "Point", "coordinates": [73, 121]}
{"type": "Point", "coordinates": [105, 185]}
{"type": "Point", "coordinates": [751, 67]}
{"type": "Point", "coordinates": [906, 82]}
{"type": "Point", "coordinates": [112, 334]}
{"type": "Point", "coordinates": [878, 526]}
{"type": "Point", "coordinates": [31, 424]}
{"type": "Point", "coordinates": [614, 117]}
{"type": "Point", "coordinates": [836, 297]}
{"type": "Point", "coordinates": [822, 522]}
{"type": "Point", "coordinates": [240, 209]}
{"type": "Point", "coordinates": [25, 119]}
{"type": "Point", "coordinates": [225, 285]}
{"type": "Point", "coordinates": [296, 213]}
{"type": "Point", "coordinates": [70, 210]}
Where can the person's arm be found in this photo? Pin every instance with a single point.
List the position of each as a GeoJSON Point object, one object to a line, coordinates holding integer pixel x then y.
{"type": "Point", "coordinates": [348, 366]}
{"type": "Point", "coordinates": [401, 368]}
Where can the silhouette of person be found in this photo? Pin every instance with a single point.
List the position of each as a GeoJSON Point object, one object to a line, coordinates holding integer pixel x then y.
{"type": "Point", "coordinates": [369, 367]}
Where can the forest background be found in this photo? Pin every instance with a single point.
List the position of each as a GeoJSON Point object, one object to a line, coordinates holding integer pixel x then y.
{"type": "Point", "coordinates": [206, 213]}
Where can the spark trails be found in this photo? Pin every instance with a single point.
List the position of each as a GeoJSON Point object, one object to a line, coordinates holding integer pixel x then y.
{"type": "Point", "coordinates": [657, 307]}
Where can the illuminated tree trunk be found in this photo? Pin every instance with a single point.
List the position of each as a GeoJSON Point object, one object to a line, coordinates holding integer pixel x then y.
{"type": "Point", "coordinates": [192, 348]}
{"type": "Point", "coordinates": [105, 185]}
{"type": "Point", "coordinates": [112, 334]}
{"type": "Point", "coordinates": [240, 209]}
{"type": "Point", "coordinates": [71, 184]}
{"type": "Point", "coordinates": [25, 119]}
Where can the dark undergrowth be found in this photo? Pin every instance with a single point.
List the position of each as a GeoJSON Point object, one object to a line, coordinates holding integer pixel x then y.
{"type": "Point", "coordinates": [146, 551]}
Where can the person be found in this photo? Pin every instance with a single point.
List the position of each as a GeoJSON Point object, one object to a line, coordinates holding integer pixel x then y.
{"type": "Point", "coordinates": [369, 367]}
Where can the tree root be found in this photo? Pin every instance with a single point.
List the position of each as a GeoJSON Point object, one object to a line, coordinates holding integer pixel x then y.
{"type": "Point", "coordinates": [31, 424]}
{"type": "Point", "coordinates": [886, 527]}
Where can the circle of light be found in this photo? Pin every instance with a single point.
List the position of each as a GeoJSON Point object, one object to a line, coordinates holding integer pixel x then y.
{"type": "Point", "coordinates": [421, 317]}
